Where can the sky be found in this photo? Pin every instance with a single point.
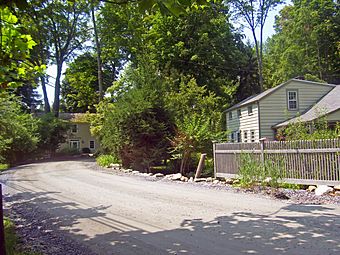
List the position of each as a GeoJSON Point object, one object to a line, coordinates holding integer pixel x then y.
{"type": "Point", "coordinates": [268, 31]}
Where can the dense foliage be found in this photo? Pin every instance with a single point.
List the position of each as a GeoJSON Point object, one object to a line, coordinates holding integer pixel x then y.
{"type": "Point", "coordinates": [306, 43]}
{"type": "Point", "coordinates": [314, 130]}
{"type": "Point", "coordinates": [169, 69]}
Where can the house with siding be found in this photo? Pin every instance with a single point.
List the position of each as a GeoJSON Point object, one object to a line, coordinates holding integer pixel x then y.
{"type": "Point", "coordinates": [261, 115]}
{"type": "Point", "coordinates": [79, 137]}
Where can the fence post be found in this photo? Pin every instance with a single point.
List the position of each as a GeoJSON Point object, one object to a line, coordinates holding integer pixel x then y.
{"type": "Point", "coordinates": [2, 229]}
{"type": "Point", "coordinates": [200, 166]}
{"type": "Point", "coordinates": [262, 141]}
{"type": "Point", "coordinates": [214, 157]}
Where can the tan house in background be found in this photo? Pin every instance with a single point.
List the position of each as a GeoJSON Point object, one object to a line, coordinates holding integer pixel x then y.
{"type": "Point", "coordinates": [79, 137]}
{"type": "Point", "coordinates": [261, 115]}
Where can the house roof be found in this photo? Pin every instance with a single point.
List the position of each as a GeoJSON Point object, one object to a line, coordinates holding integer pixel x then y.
{"type": "Point", "coordinates": [326, 105]}
{"type": "Point", "coordinates": [74, 117]}
{"type": "Point", "coordinates": [256, 98]}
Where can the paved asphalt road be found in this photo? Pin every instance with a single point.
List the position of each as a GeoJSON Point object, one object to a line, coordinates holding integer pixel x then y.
{"type": "Point", "coordinates": [114, 214]}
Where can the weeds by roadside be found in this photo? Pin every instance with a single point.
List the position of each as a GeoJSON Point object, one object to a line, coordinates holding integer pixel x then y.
{"type": "Point", "coordinates": [11, 240]}
{"type": "Point", "coordinates": [3, 167]}
{"type": "Point", "coordinates": [253, 171]}
{"type": "Point", "coordinates": [106, 160]}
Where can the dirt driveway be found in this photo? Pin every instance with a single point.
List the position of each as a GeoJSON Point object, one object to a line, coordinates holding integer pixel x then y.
{"type": "Point", "coordinates": [69, 207]}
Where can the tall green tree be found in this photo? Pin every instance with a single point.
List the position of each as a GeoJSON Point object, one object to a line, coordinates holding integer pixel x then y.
{"type": "Point", "coordinates": [65, 25]}
{"type": "Point", "coordinates": [133, 124]}
{"type": "Point", "coordinates": [80, 89]}
{"type": "Point", "coordinates": [255, 13]}
{"type": "Point", "coordinates": [201, 44]}
{"type": "Point", "coordinates": [306, 43]}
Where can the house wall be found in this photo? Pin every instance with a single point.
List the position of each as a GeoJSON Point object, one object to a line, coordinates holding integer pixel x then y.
{"type": "Point", "coordinates": [245, 123]}
{"type": "Point", "coordinates": [334, 116]}
{"type": "Point", "coordinates": [273, 108]}
{"type": "Point", "coordinates": [83, 135]}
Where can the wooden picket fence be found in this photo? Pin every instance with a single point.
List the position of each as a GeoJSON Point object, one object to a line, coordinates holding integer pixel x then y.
{"type": "Point", "coordinates": [302, 162]}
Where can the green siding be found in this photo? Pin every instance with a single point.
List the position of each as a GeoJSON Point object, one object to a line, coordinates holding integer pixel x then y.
{"type": "Point", "coordinates": [273, 108]}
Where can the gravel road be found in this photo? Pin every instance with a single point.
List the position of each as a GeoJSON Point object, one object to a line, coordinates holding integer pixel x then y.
{"type": "Point", "coordinates": [70, 207]}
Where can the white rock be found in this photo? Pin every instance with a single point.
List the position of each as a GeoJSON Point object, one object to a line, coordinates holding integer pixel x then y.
{"type": "Point", "coordinates": [184, 179]}
{"type": "Point", "coordinates": [176, 177]}
{"type": "Point", "coordinates": [159, 175]}
{"type": "Point", "coordinates": [236, 181]}
{"type": "Point", "coordinates": [200, 180]}
{"type": "Point", "coordinates": [135, 172]}
{"type": "Point", "coordinates": [311, 188]}
{"type": "Point", "coordinates": [210, 179]}
{"type": "Point", "coordinates": [191, 179]}
{"type": "Point", "coordinates": [216, 182]}
{"type": "Point", "coordinates": [127, 171]}
{"type": "Point", "coordinates": [268, 179]}
{"type": "Point", "coordinates": [229, 181]}
{"type": "Point", "coordinates": [337, 187]}
{"type": "Point", "coordinates": [322, 189]}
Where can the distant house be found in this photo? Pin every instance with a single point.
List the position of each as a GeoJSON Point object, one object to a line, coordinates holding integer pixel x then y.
{"type": "Point", "coordinates": [261, 115]}
{"type": "Point", "coordinates": [79, 137]}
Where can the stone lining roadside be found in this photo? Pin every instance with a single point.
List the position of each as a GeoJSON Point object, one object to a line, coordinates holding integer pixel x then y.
{"type": "Point", "coordinates": [290, 195]}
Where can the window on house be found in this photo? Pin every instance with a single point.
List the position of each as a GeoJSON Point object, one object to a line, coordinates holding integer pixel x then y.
{"type": "Point", "coordinates": [74, 128]}
{"type": "Point", "coordinates": [239, 113]}
{"type": "Point", "coordinates": [292, 99]}
{"type": "Point", "coordinates": [252, 136]}
{"type": "Point", "coordinates": [245, 136]}
{"type": "Point", "coordinates": [238, 136]}
{"type": "Point", "coordinates": [230, 115]}
{"type": "Point", "coordinates": [232, 137]}
{"type": "Point", "coordinates": [250, 110]}
{"type": "Point", "coordinates": [74, 144]}
{"type": "Point", "coordinates": [92, 145]}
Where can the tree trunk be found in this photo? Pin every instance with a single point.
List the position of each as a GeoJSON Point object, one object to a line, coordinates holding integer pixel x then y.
{"type": "Point", "coordinates": [56, 103]}
{"type": "Point", "coordinates": [260, 59]}
{"type": "Point", "coordinates": [47, 107]}
{"type": "Point", "coordinates": [259, 62]}
{"type": "Point", "coordinates": [99, 60]}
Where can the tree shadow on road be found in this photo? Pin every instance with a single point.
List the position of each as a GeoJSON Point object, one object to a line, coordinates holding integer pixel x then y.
{"type": "Point", "coordinates": [294, 229]}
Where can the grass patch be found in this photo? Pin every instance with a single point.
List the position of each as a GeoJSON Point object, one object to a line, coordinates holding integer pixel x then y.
{"type": "Point", "coordinates": [291, 186]}
{"type": "Point", "coordinates": [106, 160]}
{"type": "Point", "coordinates": [12, 240]}
{"type": "Point", "coordinates": [3, 167]}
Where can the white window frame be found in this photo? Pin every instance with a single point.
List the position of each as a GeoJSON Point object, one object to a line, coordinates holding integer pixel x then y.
{"type": "Point", "coordinates": [250, 110]}
{"type": "Point", "coordinates": [245, 136]}
{"type": "Point", "coordinates": [76, 128]}
{"type": "Point", "coordinates": [94, 144]}
{"type": "Point", "coordinates": [289, 100]}
{"type": "Point", "coordinates": [239, 113]}
{"type": "Point", "coordinates": [72, 142]}
{"type": "Point", "coordinates": [238, 136]}
{"type": "Point", "coordinates": [252, 136]}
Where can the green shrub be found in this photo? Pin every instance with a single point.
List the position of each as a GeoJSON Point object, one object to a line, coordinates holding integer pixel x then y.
{"type": "Point", "coordinates": [291, 186]}
{"type": "Point", "coordinates": [106, 160]}
{"type": "Point", "coordinates": [3, 167]}
{"type": "Point", "coordinates": [208, 169]}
